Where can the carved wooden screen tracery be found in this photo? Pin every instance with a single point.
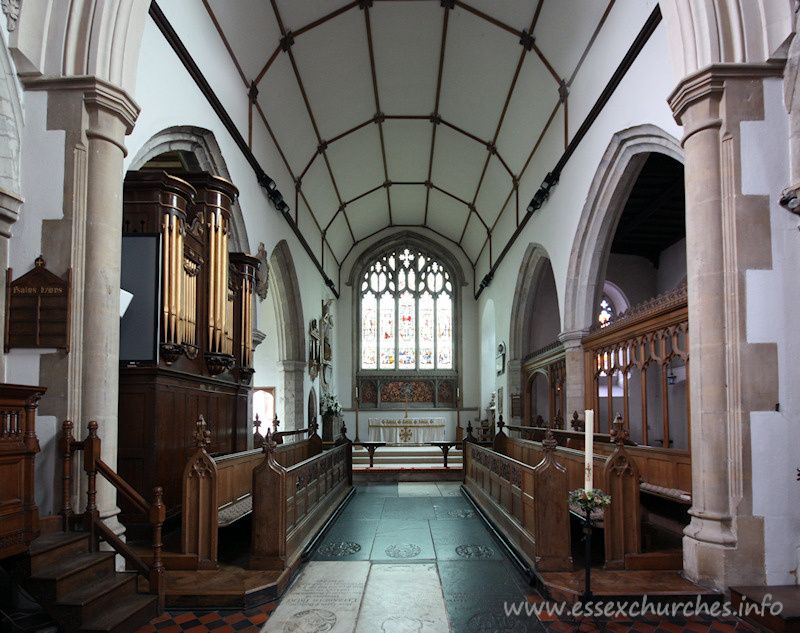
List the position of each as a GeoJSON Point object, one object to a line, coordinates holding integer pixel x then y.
{"type": "Point", "coordinates": [638, 366]}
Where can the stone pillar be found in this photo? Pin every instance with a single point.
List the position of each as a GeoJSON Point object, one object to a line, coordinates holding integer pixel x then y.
{"type": "Point", "coordinates": [291, 394]}
{"type": "Point", "coordinates": [9, 212]}
{"type": "Point", "coordinates": [727, 233]}
{"type": "Point", "coordinates": [95, 116]}
{"type": "Point", "coordinates": [111, 115]}
{"type": "Point", "coordinates": [576, 380]}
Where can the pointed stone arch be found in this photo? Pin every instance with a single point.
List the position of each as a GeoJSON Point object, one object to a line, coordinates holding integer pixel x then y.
{"type": "Point", "coordinates": [202, 144]}
{"type": "Point", "coordinates": [532, 268]}
{"type": "Point", "coordinates": [725, 31]}
{"type": "Point", "coordinates": [285, 291]}
{"type": "Point", "coordinates": [97, 38]}
{"type": "Point", "coordinates": [610, 188]}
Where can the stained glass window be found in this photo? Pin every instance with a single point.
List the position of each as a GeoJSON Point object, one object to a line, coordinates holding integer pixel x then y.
{"type": "Point", "coordinates": [406, 313]}
{"type": "Point", "coordinates": [606, 315]}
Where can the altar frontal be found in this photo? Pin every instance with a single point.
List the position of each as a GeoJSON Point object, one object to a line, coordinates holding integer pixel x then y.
{"type": "Point", "coordinates": [406, 431]}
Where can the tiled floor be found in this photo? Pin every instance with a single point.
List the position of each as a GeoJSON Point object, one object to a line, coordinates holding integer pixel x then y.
{"type": "Point", "coordinates": [387, 534]}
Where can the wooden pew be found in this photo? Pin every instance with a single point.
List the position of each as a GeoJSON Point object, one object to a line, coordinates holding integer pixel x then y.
{"type": "Point", "coordinates": [527, 503]}
{"type": "Point", "coordinates": [666, 472]}
{"type": "Point", "coordinates": [615, 473]}
{"type": "Point", "coordinates": [217, 491]}
{"type": "Point", "coordinates": [292, 503]}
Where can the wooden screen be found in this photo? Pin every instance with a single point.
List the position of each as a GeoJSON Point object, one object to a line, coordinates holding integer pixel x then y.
{"type": "Point", "coordinates": [638, 366]}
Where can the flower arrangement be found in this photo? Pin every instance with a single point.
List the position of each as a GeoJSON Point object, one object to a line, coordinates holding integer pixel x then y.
{"type": "Point", "coordinates": [329, 405]}
{"type": "Point", "coordinates": [592, 499]}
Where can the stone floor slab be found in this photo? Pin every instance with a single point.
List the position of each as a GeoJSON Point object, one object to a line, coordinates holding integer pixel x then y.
{"type": "Point", "coordinates": [325, 597]}
{"type": "Point", "coordinates": [418, 489]}
{"type": "Point", "coordinates": [408, 509]}
{"type": "Point", "coordinates": [467, 540]}
{"type": "Point", "coordinates": [403, 599]}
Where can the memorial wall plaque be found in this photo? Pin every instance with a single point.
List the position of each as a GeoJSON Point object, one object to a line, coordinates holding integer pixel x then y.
{"type": "Point", "coordinates": [37, 309]}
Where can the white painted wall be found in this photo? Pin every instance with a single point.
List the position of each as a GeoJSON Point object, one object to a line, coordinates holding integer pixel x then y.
{"type": "Point", "coordinates": [772, 305]}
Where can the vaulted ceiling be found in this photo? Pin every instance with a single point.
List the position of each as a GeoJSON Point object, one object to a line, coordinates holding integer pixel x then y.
{"type": "Point", "coordinates": [411, 113]}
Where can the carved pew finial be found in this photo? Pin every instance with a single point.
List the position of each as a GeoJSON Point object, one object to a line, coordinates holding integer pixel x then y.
{"type": "Point", "coordinates": [269, 444]}
{"type": "Point", "coordinates": [549, 442]}
{"type": "Point", "coordinates": [275, 423]}
{"type": "Point", "coordinates": [619, 434]}
{"type": "Point", "coordinates": [202, 436]}
{"type": "Point", "coordinates": [500, 424]}
{"type": "Point", "coordinates": [577, 423]}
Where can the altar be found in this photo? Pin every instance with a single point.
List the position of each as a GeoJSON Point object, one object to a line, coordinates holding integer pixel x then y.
{"type": "Point", "coordinates": [406, 430]}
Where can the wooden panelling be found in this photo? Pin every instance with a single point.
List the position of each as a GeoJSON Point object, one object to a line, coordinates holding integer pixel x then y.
{"type": "Point", "coordinates": [291, 503]}
{"type": "Point", "coordinates": [157, 414]}
{"type": "Point", "coordinates": [527, 503]}
{"type": "Point", "coordinates": [19, 516]}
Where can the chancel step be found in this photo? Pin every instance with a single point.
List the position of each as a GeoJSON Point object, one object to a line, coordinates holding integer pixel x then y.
{"type": "Point", "coordinates": [406, 457]}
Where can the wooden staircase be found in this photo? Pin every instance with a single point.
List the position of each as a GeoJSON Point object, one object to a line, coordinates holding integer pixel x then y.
{"type": "Point", "coordinates": [80, 589]}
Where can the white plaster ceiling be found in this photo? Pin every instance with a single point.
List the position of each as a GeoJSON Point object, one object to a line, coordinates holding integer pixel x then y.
{"type": "Point", "coordinates": [409, 112]}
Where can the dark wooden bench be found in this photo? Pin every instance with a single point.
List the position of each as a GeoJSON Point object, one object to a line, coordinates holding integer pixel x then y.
{"type": "Point", "coordinates": [217, 491]}
{"type": "Point", "coordinates": [291, 503]}
{"type": "Point", "coordinates": [528, 504]}
{"type": "Point", "coordinates": [615, 473]}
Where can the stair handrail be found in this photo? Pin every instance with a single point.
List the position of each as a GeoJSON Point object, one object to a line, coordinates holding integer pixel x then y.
{"type": "Point", "coordinates": [92, 465]}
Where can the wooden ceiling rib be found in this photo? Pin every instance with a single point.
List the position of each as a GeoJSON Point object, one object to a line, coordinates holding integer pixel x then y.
{"type": "Point", "coordinates": [435, 114]}
{"type": "Point", "coordinates": [468, 179]}
{"type": "Point", "coordinates": [225, 41]}
{"type": "Point", "coordinates": [378, 109]}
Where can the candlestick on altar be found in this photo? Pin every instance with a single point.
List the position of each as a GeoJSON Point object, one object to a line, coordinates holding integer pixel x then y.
{"type": "Point", "coordinates": [588, 448]}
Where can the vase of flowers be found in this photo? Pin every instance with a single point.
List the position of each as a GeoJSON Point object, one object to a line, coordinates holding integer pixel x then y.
{"type": "Point", "coordinates": [591, 499]}
{"type": "Point", "coordinates": [331, 412]}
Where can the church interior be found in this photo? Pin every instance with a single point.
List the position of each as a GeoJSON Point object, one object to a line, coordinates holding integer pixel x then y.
{"type": "Point", "coordinates": [384, 315]}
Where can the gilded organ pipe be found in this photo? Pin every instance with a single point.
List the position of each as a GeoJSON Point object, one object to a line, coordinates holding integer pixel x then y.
{"type": "Point", "coordinates": [212, 272]}
{"type": "Point", "coordinates": [165, 275]}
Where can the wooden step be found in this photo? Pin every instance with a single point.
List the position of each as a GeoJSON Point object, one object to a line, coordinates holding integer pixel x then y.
{"type": "Point", "coordinates": [125, 617]}
{"type": "Point", "coordinates": [69, 574]}
{"type": "Point", "coordinates": [666, 560]}
{"type": "Point", "coordinates": [787, 621]}
{"type": "Point", "coordinates": [52, 548]}
{"type": "Point", "coordinates": [95, 598]}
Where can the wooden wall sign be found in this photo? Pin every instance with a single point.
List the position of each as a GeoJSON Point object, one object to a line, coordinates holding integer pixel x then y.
{"type": "Point", "coordinates": [37, 309]}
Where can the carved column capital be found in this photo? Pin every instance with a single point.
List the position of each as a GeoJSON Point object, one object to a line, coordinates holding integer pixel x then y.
{"type": "Point", "coordinates": [706, 87]}
{"type": "Point", "coordinates": [571, 339]}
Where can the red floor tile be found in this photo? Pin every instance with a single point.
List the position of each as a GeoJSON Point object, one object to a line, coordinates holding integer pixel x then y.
{"type": "Point", "coordinates": [236, 617]}
{"type": "Point", "coordinates": [697, 626]}
{"type": "Point", "coordinates": [209, 617]}
{"type": "Point", "coordinates": [259, 618]}
{"type": "Point", "coordinates": [184, 617]}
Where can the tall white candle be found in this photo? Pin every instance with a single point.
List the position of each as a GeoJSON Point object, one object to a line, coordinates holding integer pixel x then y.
{"type": "Point", "coordinates": [588, 446]}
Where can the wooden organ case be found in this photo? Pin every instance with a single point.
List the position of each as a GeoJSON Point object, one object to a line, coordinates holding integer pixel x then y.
{"type": "Point", "coordinates": [198, 308]}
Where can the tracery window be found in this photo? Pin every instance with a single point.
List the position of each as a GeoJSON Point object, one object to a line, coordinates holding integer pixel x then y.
{"type": "Point", "coordinates": [406, 313]}
{"type": "Point", "coordinates": [606, 315]}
